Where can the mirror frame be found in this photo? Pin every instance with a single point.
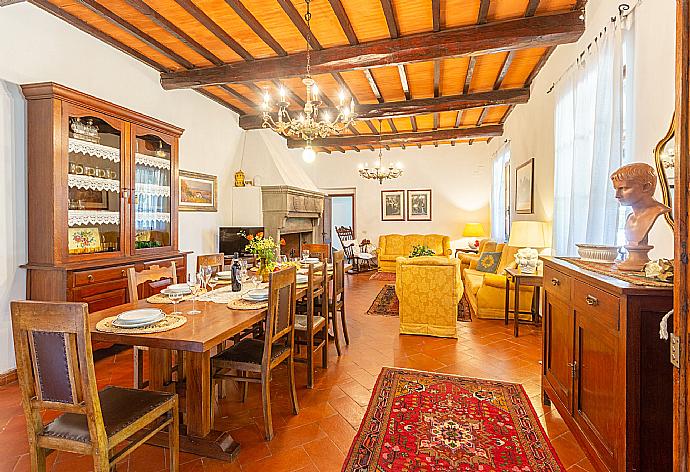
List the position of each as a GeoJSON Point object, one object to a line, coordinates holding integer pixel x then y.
{"type": "Point", "coordinates": [661, 174]}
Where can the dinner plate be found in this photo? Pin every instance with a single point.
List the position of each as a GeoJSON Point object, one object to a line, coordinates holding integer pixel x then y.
{"type": "Point", "coordinates": [140, 315]}
{"type": "Point", "coordinates": [258, 294]}
{"type": "Point", "coordinates": [250, 299]}
{"type": "Point", "coordinates": [182, 288]}
{"type": "Point", "coordinates": [224, 274]}
{"type": "Point", "coordinates": [302, 279]}
{"type": "Point", "coordinates": [138, 325]}
{"type": "Point", "coordinates": [310, 260]}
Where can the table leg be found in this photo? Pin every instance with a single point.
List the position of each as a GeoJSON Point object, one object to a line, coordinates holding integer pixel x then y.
{"type": "Point", "coordinates": [160, 370]}
{"type": "Point", "coordinates": [516, 311]}
{"type": "Point", "coordinates": [507, 310]}
{"type": "Point", "coordinates": [535, 305]}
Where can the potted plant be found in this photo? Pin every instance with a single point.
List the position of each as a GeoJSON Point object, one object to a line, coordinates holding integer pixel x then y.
{"type": "Point", "coordinates": [421, 250]}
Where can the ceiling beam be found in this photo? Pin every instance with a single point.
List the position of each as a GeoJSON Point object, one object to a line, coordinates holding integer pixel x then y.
{"type": "Point", "coordinates": [504, 70]}
{"type": "Point", "coordinates": [483, 12]}
{"type": "Point", "coordinates": [391, 21]}
{"type": "Point", "coordinates": [173, 30]}
{"type": "Point", "coordinates": [436, 14]}
{"type": "Point", "coordinates": [402, 138]}
{"type": "Point", "coordinates": [198, 14]}
{"type": "Point", "coordinates": [256, 26]}
{"type": "Point", "coordinates": [129, 28]}
{"type": "Point", "coordinates": [503, 36]}
{"type": "Point", "coordinates": [532, 7]}
{"type": "Point", "coordinates": [421, 106]}
{"type": "Point", "coordinates": [344, 21]}
{"type": "Point", "coordinates": [96, 33]}
{"type": "Point", "coordinates": [297, 20]}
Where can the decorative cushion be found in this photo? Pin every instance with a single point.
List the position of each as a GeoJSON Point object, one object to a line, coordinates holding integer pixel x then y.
{"type": "Point", "coordinates": [488, 262]}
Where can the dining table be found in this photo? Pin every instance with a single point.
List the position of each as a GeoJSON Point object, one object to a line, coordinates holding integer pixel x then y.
{"type": "Point", "coordinates": [199, 338]}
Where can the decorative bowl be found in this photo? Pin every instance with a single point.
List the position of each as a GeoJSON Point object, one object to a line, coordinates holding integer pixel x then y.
{"type": "Point", "coordinates": [597, 253]}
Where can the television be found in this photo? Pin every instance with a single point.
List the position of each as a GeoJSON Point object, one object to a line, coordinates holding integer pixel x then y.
{"type": "Point", "coordinates": [231, 241]}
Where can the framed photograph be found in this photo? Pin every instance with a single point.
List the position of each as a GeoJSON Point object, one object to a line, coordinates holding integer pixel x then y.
{"type": "Point", "coordinates": [83, 240]}
{"type": "Point", "coordinates": [524, 188]}
{"type": "Point", "coordinates": [198, 192]}
{"type": "Point", "coordinates": [392, 205]}
{"type": "Point", "coordinates": [419, 205]}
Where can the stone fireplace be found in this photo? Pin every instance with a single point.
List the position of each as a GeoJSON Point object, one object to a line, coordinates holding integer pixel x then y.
{"type": "Point", "coordinates": [292, 213]}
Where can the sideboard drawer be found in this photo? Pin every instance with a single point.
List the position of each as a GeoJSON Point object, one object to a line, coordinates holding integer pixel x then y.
{"type": "Point", "coordinates": [600, 304]}
{"type": "Point", "coordinates": [557, 283]}
{"type": "Point", "coordinates": [86, 277]}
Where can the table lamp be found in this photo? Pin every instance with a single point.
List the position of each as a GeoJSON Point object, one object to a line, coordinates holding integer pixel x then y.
{"type": "Point", "coordinates": [527, 235]}
{"type": "Point", "coordinates": [473, 231]}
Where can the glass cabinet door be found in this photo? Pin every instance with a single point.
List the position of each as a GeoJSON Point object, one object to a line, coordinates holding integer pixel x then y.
{"type": "Point", "coordinates": [152, 190]}
{"type": "Point", "coordinates": [94, 182]}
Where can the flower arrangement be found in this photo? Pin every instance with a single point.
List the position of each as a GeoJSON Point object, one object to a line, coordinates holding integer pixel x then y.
{"type": "Point", "coordinates": [421, 250]}
{"type": "Point", "coordinates": [264, 249]}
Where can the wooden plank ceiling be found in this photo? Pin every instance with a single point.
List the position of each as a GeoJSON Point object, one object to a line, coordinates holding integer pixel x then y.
{"type": "Point", "coordinates": [422, 72]}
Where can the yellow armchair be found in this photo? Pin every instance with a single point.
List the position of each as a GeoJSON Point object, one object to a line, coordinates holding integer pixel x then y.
{"type": "Point", "coordinates": [486, 292]}
{"type": "Point", "coordinates": [392, 246]}
{"type": "Point", "coordinates": [429, 290]}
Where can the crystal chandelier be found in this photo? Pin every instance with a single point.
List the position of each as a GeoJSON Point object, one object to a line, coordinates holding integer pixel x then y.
{"type": "Point", "coordinates": [310, 124]}
{"type": "Point", "coordinates": [378, 172]}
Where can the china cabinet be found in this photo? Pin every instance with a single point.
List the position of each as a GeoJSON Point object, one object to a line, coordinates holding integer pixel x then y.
{"type": "Point", "coordinates": [101, 197]}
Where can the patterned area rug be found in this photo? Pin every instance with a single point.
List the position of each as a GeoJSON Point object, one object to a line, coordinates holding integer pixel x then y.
{"type": "Point", "coordinates": [439, 422]}
{"type": "Point", "coordinates": [383, 276]}
{"type": "Point", "coordinates": [386, 304]}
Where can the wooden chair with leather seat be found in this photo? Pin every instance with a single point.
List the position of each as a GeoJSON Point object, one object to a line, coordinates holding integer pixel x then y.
{"type": "Point", "coordinates": [256, 356]}
{"type": "Point", "coordinates": [337, 298]}
{"type": "Point", "coordinates": [134, 279]}
{"type": "Point", "coordinates": [311, 326]}
{"type": "Point", "coordinates": [215, 261]}
{"type": "Point", "coordinates": [55, 368]}
{"type": "Point", "coordinates": [322, 251]}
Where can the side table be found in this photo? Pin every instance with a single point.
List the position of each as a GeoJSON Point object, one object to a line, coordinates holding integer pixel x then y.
{"type": "Point", "coordinates": [528, 280]}
{"type": "Point", "coordinates": [466, 251]}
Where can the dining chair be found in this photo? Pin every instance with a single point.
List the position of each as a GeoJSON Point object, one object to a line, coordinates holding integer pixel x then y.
{"type": "Point", "coordinates": [311, 325]}
{"type": "Point", "coordinates": [215, 261]}
{"type": "Point", "coordinates": [55, 369]}
{"type": "Point", "coordinates": [322, 251]}
{"type": "Point", "coordinates": [255, 359]}
{"type": "Point", "coordinates": [338, 298]}
{"type": "Point", "coordinates": [134, 280]}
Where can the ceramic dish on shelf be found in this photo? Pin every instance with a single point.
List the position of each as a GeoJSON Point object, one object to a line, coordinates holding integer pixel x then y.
{"type": "Point", "coordinates": [597, 253]}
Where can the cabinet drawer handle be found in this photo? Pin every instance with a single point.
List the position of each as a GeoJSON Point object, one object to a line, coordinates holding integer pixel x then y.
{"type": "Point", "coordinates": [89, 278]}
{"type": "Point", "coordinates": [555, 282]}
{"type": "Point", "coordinates": [591, 301]}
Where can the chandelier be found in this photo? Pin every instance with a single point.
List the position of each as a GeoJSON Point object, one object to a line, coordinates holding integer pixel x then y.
{"type": "Point", "coordinates": [310, 124]}
{"type": "Point", "coordinates": [378, 172]}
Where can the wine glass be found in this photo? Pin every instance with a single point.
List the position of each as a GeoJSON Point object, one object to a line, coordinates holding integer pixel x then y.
{"type": "Point", "coordinates": [194, 284]}
{"type": "Point", "coordinates": [305, 254]}
{"type": "Point", "coordinates": [175, 297]}
{"type": "Point", "coordinates": [212, 282]}
{"type": "Point", "coordinates": [205, 272]}
{"type": "Point", "coordinates": [283, 259]}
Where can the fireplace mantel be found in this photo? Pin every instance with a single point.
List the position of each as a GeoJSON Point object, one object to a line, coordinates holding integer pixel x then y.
{"type": "Point", "coordinates": [289, 210]}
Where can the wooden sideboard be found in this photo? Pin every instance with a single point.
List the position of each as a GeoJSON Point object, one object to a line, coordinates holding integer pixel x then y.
{"type": "Point", "coordinates": [605, 369]}
{"type": "Point", "coordinates": [102, 197]}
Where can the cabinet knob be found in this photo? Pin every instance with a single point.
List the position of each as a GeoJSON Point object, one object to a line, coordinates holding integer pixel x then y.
{"type": "Point", "coordinates": [555, 282]}
{"type": "Point", "coordinates": [591, 300]}
{"type": "Point", "coordinates": [89, 278]}
{"type": "Point", "coordinates": [123, 273]}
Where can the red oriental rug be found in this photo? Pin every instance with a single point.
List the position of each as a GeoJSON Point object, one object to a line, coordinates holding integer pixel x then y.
{"type": "Point", "coordinates": [425, 421]}
{"type": "Point", "coordinates": [386, 303]}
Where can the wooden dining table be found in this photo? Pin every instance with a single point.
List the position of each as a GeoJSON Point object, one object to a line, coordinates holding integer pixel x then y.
{"type": "Point", "coordinates": [197, 338]}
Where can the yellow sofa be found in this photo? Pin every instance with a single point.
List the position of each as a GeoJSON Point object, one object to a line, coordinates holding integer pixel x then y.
{"type": "Point", "coordinates": [392, 246]}
{"type": "Point", "coordinates": [486, 292]}
{"type": "Point", "coordinates": [429, 290]}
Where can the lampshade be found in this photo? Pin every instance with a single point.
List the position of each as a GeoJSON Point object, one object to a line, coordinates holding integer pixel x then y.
{"type": "Point", "coordinates": [473, 230]}
{"type": "Point", "coordinates": [527, 234]}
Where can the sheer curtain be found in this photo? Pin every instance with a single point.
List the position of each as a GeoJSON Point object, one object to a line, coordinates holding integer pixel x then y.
{"type": "Point", "coordinates": [498, 194]}
{"type": "Point", "coordinates": [589, 142]}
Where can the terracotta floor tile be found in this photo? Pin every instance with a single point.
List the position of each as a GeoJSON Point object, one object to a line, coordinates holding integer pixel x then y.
{"type": "Point", "coordinates": [289, 460]}
{"type": "Point", "coordinates": [567, 449]}
{"type": "Point", "coordinates": [325, 455]}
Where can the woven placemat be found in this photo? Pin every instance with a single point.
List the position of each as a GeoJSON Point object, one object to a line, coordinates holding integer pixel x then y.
{"type": "Point", "coordinates": [241, 304]}
{"type": "Point", "coordinates": [166, 324]}
{"type": "Point", "coordinates": [635, 278]}
{"type": "Point", "coordinates": [161, 298]}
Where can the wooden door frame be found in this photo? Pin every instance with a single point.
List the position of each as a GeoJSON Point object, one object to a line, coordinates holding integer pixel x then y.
{"type": "Point", "coordinates": [681, 235]}
{"type": "Point", "coordinates": [345, 192]}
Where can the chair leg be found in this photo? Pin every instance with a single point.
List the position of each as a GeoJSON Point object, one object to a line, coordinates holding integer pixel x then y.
{"type": "Point", "coordinates": [291, 381]}
{"type": "Point", "coordinates": [174, 439]}
{"type": "Point", "coordinates": [101, 461]}
{"type": "Point", "coordinates": [38, 458]}
{"type": "Point", "coordinates": [244, 387]}
{"type": "Point", "coordinates": [138, 356]}
{"type": "Point", "coordinates": [336, 336]}
{"type": "Point", "coordinates": [324, 348]}
{"type": "Point", "coordinates": [266, 400]}
{"type": "Point", "coordinates": [310, 361]}
{"type": "Point", "coordinates": [344, 322]}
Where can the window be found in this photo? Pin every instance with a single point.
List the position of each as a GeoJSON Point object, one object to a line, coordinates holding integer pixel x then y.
{"type": "Point", "coordinates": [500, 195]}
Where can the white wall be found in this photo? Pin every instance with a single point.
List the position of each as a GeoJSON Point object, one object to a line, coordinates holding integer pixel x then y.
{"type": "Point", "coordinates": [530, 127]}
{"type": "Point", "coordinates": [459, 176]}
{"type": "Point", "coordinates": [37, 47]}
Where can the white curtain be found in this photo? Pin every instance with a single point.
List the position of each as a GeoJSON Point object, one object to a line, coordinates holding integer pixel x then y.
{"type": "Point", "coordinates": [498, 194]}
{"type": "Point", "coordinates": [589, 141]}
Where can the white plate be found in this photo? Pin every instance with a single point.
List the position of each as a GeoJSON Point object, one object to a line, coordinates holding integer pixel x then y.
{"type": "Point", "coordinates": [138, 325]}
{"type": "Point", "coordinates": [302, 279]}
{"type": "Point", "coordinates": [139, 316]}
{"type": "Point", "coordinates": [224, 274]}
{"type": "Point", "coordinates": [182, 288]}
{"type": "Point", "coordinates": [258, 294]}
{"type": "Point", "coordinates": [311, 260]}
{"type": "Point", "coordinates": [251, 299]}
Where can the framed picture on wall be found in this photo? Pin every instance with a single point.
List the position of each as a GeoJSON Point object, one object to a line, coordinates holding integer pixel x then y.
{"type": "Point", "coordinates": [392, 205]}
{"type": "Point", "coordinates": [419, 205]}
{"type": "Point", "coordinates": [198, 192]}
{"type": "Point", "coordinates": [524, 188]}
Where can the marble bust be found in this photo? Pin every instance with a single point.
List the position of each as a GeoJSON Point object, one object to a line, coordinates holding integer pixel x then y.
{"type": "Point", "coordinates": [635, 185]}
